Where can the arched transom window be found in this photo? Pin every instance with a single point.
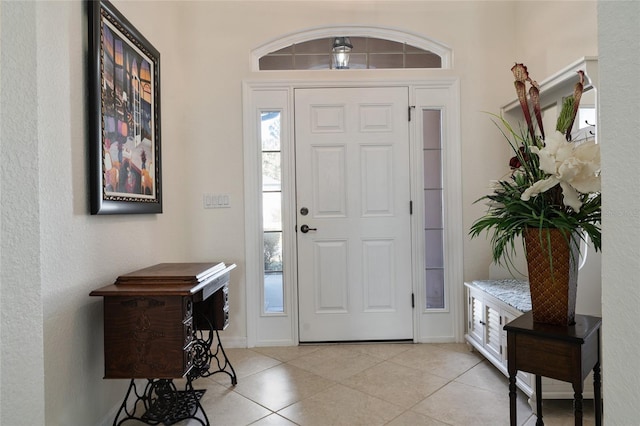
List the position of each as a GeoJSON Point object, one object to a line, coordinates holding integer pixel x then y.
{"type": "Point", "coordinates": [349, 52]}
{"type": "Point", "coordinates": [351, 47]}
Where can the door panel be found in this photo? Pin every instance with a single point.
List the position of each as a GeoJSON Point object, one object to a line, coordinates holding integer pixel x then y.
{"type": "Point", "coordinates": [330, 280]}
{"type": "Point", "coordinates": [378, 273]}
{"type": "Point", "coordinates": [352, 175]}
{"type": "Point", "coordinates": [330, 193]}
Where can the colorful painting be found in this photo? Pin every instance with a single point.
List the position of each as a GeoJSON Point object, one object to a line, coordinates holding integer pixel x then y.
{"type": "Point", "coordinates": [126, 165]}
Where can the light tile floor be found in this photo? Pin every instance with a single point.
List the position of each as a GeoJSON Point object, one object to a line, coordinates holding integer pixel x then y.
{"type": "Point", "coordinates": [368, 384]}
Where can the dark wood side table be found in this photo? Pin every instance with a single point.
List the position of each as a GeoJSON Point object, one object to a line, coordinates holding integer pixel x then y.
{"type": "Point", "coordinates": [161, 323]}
{"type": "Point", "coordinates": [566, 353]}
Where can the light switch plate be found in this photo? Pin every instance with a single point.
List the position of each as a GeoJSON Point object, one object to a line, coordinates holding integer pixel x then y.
{"type": "Point", "coordinates": [216, 201]}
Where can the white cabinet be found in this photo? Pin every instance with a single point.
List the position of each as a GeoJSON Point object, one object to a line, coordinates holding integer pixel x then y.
{"type": "Point", "coordinates": [486, 317]}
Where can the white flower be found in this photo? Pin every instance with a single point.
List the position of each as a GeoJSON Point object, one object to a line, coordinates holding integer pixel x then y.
{"type": "Point", "coordinates": [575, 166]}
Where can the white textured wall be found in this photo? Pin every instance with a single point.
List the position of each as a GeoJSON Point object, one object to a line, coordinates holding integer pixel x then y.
{"type": "Point", "coordinates": [21, 354]}
{"type": "Point", "coordinates": [1, 299]}
{"type": "Point", "coordinates": [52, 253]}
{"type": "Point", "coordinates": [619, 121]}
{"type": "Point", "coordinates": [552, 34]}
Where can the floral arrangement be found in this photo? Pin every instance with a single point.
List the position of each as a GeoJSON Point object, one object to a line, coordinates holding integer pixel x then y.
{"type": "Point", "coordinates": [554, 181]}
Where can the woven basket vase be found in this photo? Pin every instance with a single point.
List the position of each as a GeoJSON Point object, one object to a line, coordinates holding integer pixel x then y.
{"type": "Point", "coordinates": [552, 261]}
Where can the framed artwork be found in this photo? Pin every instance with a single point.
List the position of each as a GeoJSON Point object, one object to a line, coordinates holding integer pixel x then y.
{"type": "Point", "coordinates": [124, 140]}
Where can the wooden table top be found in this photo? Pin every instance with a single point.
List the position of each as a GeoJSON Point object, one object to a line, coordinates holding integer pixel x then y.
{"type": "Point", "coordinates": [171, 279]}
{"type": "Point", "coordinates": [584, 326]}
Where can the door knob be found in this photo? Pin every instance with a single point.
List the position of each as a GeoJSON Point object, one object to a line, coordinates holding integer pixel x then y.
{"type": "Point", "coordinates": [305, 228]}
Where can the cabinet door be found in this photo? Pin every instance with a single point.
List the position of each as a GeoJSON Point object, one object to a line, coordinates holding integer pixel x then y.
{"type": "Point", "coordinates": [493, 329]}
{"type": "Point", "coordinates": [476, 316]}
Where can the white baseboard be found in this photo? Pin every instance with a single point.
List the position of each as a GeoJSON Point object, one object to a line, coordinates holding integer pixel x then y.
{"type": "Point", "coordinates": [266, 343]}
{"type": "Point", "coordinates": [233, 341]}
{"type": "Point", "coordinates": [441, 339]}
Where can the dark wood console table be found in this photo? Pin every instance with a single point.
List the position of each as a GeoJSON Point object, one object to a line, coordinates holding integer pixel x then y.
{"type": "Point", "coordinates": [160, 324]}
{"type": "Point", "coordinates": [566, 353]}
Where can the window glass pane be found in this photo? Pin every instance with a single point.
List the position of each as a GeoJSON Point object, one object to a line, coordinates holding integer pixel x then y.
{"type": "Point", "coordinates": [322, 45]}
{"type": "Point", "coordinates": [312, 62]}
{"type": "Point", "coordinates": [435, 288]}
{"type": "Point", "coordinates": [426, 60]}
{"type": "Point", "coordinates": [271, 172]}
{"type": "Point", "coordinates": [269, 63]}
{"type": "Point", "coordinates": [433, 248]}
{"type": "Point", "coordinates": [270, 131]}
{"type": "Point", "coordinates": [431, 129]}
{"type": "Point", "coordinates": [273, 292]}
{"type": "Point", "coordinates": [359, 44]}
{"type": "Point", "coordinates": [412, 49]}
{"type": "Point", "coordinates": [432, 169]}
{"type": "Point", "coordinates": [273, 279]}
{"type": "Point", "coordinates": [433, 208]}
{"type": "Point", "coordinates": [378, 45]}
{"type": "Point", "coordinates": [386, 60]}
{"type": "Point", "coordinates": [284, 50]}
{"type": "Point", "coordinates": [272, 251]}
{"type": "Point", "coordinates": [272, 211]}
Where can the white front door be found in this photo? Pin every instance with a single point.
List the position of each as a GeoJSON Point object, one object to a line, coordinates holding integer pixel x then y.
{"type": "Point", "coordinates": [352, 188]}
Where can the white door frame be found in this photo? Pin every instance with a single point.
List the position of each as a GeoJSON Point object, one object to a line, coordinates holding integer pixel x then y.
{"type": "Point", "coordinates": [443, 325]}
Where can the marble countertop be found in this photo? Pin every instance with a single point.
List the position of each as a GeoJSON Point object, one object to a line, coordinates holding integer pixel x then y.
{"type": "Point", "coordinates": [513, 292]}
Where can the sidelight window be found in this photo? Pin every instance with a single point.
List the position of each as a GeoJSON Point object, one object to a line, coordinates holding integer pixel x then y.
{"type": "Point", "coordinates": [273, 284]}
{"type": "Point", "coordinates": [433, 217]}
